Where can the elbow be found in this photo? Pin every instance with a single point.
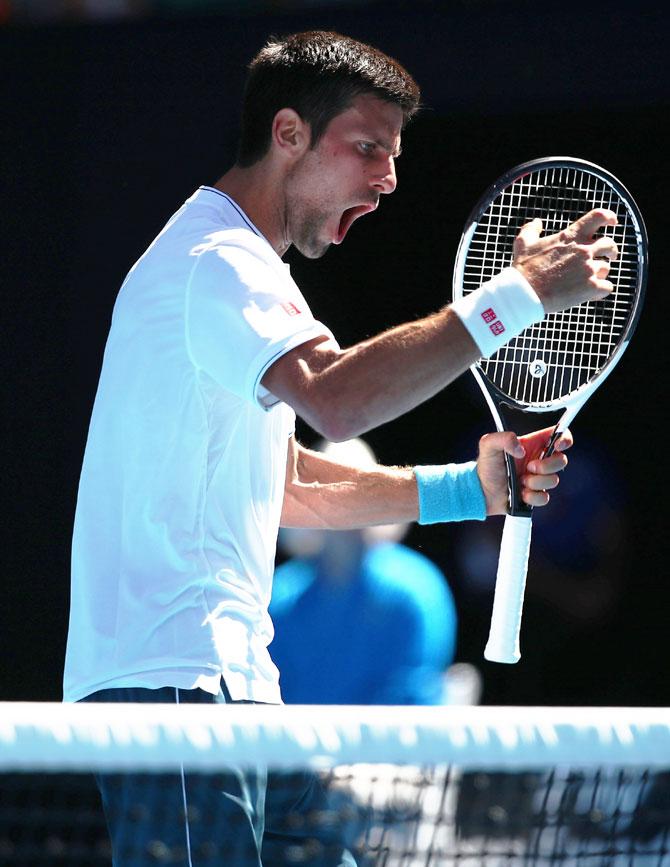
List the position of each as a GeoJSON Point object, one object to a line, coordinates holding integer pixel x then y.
{"type": "Point", "coordinates": [340, 432]}
{"type": "Point", "coordinates": [333, 403]}
{"type": "Point", "coordinates": [334, 421]}
{"type": "Point", "coordinates": [335, 427]}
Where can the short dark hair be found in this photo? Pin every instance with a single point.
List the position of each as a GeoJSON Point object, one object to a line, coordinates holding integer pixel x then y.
{"type": "Point", "coordinates": [318, 74]}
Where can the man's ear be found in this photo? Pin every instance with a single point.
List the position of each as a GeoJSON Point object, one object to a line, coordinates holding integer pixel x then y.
{"type": "Point", "coordinates": [290, 133]}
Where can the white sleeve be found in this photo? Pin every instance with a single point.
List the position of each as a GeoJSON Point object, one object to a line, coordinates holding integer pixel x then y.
{"type": "Point", "coordinates": [243, 313]}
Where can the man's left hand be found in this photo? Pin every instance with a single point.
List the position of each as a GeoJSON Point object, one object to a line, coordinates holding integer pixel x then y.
{"type": "Point", "coordinates": [537, 476]}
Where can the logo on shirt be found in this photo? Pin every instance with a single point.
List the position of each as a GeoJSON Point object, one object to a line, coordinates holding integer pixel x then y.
{"type": "Point", "coordinates": [290, 308]}
{"type": "Point", "coordinates": [490, 317]}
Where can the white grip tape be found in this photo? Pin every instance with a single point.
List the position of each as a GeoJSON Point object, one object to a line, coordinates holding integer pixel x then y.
{"type": "Point", "coordinates": [503, 643]}
{"type": "Point", "coordinates": [499, 310]}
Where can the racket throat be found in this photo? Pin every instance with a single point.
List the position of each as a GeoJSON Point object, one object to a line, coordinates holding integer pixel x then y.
{"type": "Point", "coordinates": [562, 424]}
{"type": "Point", "coordinates": [515, 505]}
{"type": "Point", "coordinates": [548, 450]}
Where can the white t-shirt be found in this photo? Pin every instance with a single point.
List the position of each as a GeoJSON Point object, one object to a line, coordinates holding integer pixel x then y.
{"type": "Point", "coordinates": [183, 477]}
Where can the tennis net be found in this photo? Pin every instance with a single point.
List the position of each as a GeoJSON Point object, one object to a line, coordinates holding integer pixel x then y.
{"type": "Point", "coordinates": [403, 787]}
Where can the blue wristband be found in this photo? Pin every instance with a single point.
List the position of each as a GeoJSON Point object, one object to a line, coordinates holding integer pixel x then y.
{"type": "Point", "coordinates": [451, 492]}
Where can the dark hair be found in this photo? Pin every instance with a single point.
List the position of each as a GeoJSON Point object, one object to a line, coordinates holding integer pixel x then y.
{"type": "Point", "coordinates": [318, 74]}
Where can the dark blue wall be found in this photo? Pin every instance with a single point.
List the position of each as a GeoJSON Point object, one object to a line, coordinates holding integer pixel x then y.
{"type": "Point", "coordinates": [106, 129]}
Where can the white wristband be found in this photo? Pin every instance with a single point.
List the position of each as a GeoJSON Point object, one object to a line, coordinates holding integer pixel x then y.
{"type": "Point", "coordinates": [499, 310]}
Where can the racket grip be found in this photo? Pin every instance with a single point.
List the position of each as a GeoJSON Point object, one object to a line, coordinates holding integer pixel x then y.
{"type": "Point", "coordinates": [503, 643]}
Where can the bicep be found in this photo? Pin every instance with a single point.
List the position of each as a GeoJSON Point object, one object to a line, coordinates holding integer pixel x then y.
{"type": "Point", "coordinates": [296, 378]}
{"type": "Point", "coordinates": [238, 320]}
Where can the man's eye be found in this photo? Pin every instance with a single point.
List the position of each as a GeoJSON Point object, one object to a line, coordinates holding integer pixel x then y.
{"type": "Point", "coordinates": [367, 147]}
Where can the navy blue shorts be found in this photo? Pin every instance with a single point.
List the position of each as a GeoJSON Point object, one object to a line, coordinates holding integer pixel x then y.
{"type": "Point", "coordinates": [238, 818]}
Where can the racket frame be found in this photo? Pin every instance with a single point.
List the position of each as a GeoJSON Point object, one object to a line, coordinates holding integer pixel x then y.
{"type": "Point", "coordinates": [572, 402]}
{"type": "Point", "coordinates": [503, 643]}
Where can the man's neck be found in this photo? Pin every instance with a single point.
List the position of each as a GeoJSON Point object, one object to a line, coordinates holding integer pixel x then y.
{"type": "Point", "coordinates": [258, 193]}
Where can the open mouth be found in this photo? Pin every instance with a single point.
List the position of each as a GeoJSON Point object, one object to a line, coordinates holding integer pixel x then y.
{"type": "Point", "coordinates": [348, 218]}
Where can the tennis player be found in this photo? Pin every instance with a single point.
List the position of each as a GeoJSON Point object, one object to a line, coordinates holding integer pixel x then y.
{"type": "Point", "coordinates": [191, 462]}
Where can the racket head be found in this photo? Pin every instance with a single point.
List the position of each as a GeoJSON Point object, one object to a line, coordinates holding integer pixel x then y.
{"type": "Point", "coordinates": [563, 358]}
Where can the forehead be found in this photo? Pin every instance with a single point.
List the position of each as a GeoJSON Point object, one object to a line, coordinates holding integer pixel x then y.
{"type": "Point", "coordinates": [372, 118]}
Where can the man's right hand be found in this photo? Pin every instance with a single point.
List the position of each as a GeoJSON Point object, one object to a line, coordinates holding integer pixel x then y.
{"type": "Point", "coordinates": [571, 266]}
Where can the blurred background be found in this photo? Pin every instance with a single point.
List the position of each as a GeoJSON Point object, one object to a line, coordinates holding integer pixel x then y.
{"type": "Point", "coordinates": [114, 111]}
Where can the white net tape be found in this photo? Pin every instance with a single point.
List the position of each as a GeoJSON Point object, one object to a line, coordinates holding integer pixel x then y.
{"type": "Point", "coordinates": [41, 736]}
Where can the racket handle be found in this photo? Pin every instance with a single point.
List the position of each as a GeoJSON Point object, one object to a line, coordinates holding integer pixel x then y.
{"type": "Point", "coordinates": [503, 643]}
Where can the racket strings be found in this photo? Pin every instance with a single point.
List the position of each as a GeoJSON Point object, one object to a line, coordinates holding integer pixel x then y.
{"type": "Point", "coordinates": [567, 349]}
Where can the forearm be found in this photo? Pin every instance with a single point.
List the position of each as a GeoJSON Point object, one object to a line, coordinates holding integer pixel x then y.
{"type": "Point", "coordinates": [346, 393]}
{"type": "Point", "coordinates": [321, 493]}
{"type": "Point", "coordinates": [330, 495]}
{"type": "Point", "coordinates": [383, 378]}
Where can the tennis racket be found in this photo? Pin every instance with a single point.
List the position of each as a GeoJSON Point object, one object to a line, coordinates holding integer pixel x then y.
{"type": "Point", "coordinates": [557, 364]}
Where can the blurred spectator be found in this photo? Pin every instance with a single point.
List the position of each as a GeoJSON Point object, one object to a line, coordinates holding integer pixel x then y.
{"type": "Point", "coordinates": [363, 619]}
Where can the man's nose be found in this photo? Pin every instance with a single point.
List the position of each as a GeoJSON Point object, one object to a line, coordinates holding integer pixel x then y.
{"type": "Point", "coordinates": [385, 180]}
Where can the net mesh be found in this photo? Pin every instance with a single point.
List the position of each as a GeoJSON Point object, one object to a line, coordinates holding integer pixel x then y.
{"type": "Point", "coordinates": [397, 786]}
{"type": "Point", "coordinates": [563, 352]}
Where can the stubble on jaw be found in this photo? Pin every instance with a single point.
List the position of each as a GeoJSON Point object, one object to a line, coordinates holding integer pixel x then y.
{"type": "Point", "coordinates": [307, 239]}
{"type": "Point", "coordinates": [304, 222]}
